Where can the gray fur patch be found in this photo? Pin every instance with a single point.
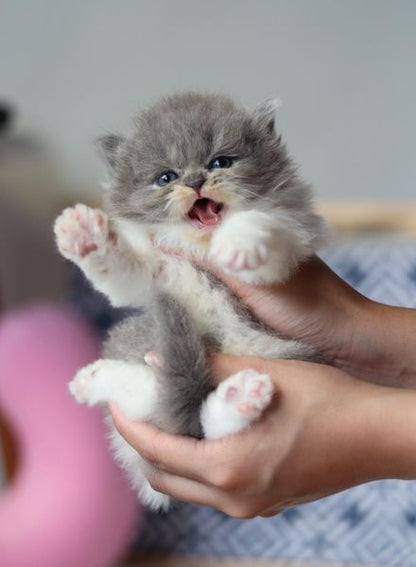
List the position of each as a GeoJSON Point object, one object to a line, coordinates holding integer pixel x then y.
{"type": "Point", "coordinates": [185, 378]}
{"type": "Point", "coordinates": [183, 133]}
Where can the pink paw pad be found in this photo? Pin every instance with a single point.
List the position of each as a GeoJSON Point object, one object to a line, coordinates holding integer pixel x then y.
{"type": "Point", "coordinates": [248, 392]}
{"type": "Point", "coordinates": [246, 409]}
{"type": "Point", "coordinates": [86, 248]}
{"type": "Point", "coordinates": [240, 259]}
{"type": "Point", "coordinates": [257, 390]}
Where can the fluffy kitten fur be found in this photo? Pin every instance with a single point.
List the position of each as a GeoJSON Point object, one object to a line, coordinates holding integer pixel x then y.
{"type": "Point", "coordinates": [248, 212]}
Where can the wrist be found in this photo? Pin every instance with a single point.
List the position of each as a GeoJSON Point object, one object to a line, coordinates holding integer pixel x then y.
{"type": "Point", "coordinates": [396, 330]}
{"type": "Point", "coordinates": [377, 342]}
{"type": "Point", "coordinates": [390, 336]}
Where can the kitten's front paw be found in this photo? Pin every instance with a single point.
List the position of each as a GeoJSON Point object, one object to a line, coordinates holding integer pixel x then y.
{"type": "Point", "coordinates": [81, 230]}
{"type": "Point", "coordinates": [236, 253]}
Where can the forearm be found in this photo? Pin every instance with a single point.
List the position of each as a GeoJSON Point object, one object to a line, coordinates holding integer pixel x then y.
{"type": "Point", "coordinates": [382, 344]}
{"type": "Point", "coordinates": [397, 335]}
{"type": "Point", "coordinates": [370, 340]}
{"type": "Point", "coordinates": [389, 434]}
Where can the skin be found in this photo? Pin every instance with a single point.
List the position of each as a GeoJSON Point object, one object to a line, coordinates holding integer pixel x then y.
{"type": "Point", "coordinates": [365, 338]}
{"type": "Point", "coordinates": [328, 428]}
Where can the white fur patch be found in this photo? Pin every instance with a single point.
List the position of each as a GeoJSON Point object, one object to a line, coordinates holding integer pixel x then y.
{"type": "Point", "coordinates": [257, 247]}
{"type": "Point", "coordinates": [131, 386]}
{"type": "Point", "coordinates": [236, 403]}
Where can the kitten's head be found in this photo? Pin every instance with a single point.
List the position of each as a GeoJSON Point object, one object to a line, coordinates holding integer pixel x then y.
{"type": "Point", "coordinates": [194, 158]}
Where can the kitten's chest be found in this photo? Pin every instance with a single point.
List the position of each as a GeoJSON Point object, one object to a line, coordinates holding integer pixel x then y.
{"type": "Point", "coordinates": [208, 304]}
{"type": "Point", "coordinates": [214, 312]}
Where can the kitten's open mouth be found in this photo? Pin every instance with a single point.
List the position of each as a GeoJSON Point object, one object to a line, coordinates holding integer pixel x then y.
{"type": "Point", "coordinates": [206, 213]}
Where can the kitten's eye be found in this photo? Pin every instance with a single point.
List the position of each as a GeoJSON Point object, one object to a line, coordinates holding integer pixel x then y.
{"type": "Point", "coordinates": [166, 177]}
{"type": "Point", "coordinates": [221, 162]}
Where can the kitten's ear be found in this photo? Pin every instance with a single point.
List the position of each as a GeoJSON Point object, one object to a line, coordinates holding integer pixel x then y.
{"type": "Point", "coordinates": [264, 114]}
{"type": "Point", "coordinates": [110, 146]}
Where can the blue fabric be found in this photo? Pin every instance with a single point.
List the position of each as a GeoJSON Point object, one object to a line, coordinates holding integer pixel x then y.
{"type": "Point", "coordinates": [374, 523]}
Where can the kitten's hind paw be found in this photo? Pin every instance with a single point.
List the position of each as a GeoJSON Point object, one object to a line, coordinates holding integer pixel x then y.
{"type": "Point", "coordinates": [247, 392]}
{"type": "Point", "coordinates": [81, 230]}
{"type": "Point", "coordinates": [131, 386]}
{"type": "Point", "coordinates": [236, 402]}
{"type": "Point", "coordinates": [85, 386]}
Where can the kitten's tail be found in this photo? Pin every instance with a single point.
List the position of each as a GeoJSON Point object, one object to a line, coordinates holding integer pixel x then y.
{"type": "Point", "coordinates": [184, 361]}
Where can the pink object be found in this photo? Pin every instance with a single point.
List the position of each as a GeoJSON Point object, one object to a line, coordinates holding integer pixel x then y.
{"type": "Point", "coordinates": [69, 504]}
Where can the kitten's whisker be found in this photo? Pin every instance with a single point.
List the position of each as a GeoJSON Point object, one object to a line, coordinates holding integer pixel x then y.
{"type": "Point", "coordinates": [247, 193]}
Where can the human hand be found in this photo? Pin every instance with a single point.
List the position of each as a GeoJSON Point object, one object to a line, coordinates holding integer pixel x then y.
{"type": "Point", "coordinates": [324, 432]}
{"type": "Point", "coordinates": [366, 339]}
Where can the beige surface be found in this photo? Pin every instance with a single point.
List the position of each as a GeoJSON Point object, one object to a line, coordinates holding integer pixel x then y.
{"type": "Point", "coordinates": [364, 218]}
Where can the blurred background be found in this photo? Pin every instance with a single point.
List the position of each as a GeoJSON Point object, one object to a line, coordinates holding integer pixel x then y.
{"type": "Point", "coordinates": [71, 71]}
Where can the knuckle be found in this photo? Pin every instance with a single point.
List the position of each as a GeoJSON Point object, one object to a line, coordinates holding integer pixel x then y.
{"type": "Point", "coordinates": [147, 453]}
{"type": "Point", "coordinates": [156, 480]}
{"type": "Point", "coordinates": [151, 451]}
{"type": "Point", "coordinates": [226, 479]}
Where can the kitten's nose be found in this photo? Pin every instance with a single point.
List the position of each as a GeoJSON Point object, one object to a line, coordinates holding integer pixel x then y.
{"type": "Point", "coordinates": [195, 182]}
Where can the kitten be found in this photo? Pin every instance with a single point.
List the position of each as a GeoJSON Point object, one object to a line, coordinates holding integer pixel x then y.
{"type": "Point", "coordinates": [200, 174]}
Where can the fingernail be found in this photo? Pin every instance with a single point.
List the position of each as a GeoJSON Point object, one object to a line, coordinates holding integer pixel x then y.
{"type": "Point", "coordinates": [153, 360]}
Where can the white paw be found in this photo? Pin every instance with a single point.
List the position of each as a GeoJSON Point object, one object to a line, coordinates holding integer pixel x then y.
{"type": "Point", "coordinates": [84, 386]}
{"type": "Point", "coordinates": [131, 386]}
{"type": "Point", "coordinates": [81, 230]}
{"type": "Point", "coordinates": [243, 243]}
{"type": "Point", "coordinates": [248, 392]}
{"type": "Point", "coordinates": [238, 254]}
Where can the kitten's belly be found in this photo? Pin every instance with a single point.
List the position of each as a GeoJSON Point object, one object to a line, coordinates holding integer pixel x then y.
{"type": "Point", "coordinates": [214, 314]}
{"type": "Point", "coordinates": [208, 305]}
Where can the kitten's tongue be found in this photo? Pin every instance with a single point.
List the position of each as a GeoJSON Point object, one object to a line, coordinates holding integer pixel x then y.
{"type": "Point", "coordinates": [206, 212]}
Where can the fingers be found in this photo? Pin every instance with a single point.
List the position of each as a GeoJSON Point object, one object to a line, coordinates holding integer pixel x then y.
{"type": "Point", "coordinates": [210, 473]}
{"type": "Point", "coordinates": [186, 490]}
{"type": "Point", "coordinates": [180, 455]}
{"type": "Point", "coordinates": [218, 463]}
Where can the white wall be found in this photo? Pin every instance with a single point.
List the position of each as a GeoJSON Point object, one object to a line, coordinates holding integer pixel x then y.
{"type": "Point", "coordinates": [345, 70]}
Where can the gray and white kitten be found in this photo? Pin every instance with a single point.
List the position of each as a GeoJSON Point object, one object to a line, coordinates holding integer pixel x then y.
{"type": "Point", "coordinates": [203, 175]}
